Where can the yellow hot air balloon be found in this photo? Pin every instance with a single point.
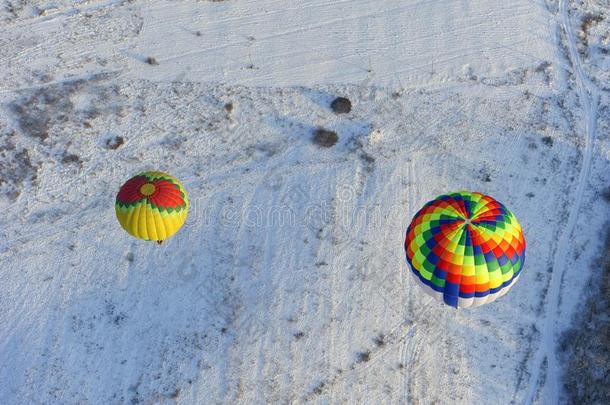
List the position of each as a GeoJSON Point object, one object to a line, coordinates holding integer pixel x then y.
{"type": "Point", "coordinates": [152, 206]}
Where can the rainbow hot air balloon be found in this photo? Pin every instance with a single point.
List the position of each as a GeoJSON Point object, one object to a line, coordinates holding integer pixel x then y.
{"type": "Point", "coordinates": [465, 249]}
{"type": "Point", "coordinates": [152, 206]}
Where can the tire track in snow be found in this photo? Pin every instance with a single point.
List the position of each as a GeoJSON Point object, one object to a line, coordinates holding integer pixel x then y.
{"type": "Point", "coordinates": [588, 96]}
{"type": "Point", "coordinates": [398, 335]}
{"type": "Point", "coordinates": [52, 13]}
{"type": "Point", "coordinates": [406, 354]}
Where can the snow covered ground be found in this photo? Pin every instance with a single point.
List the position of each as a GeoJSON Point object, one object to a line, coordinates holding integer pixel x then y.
{"type": "Point", "coordinates": [288, 283]}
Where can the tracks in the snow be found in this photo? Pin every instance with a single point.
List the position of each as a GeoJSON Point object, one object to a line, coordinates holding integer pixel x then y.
{"type": "Point", "coordinates": [588, 96]}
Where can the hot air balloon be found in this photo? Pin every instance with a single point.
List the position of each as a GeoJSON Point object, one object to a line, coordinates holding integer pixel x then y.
{"type": "Point", "coordinates": [465, 249]}
{"type": "Point", "coordinates": [152, 206]}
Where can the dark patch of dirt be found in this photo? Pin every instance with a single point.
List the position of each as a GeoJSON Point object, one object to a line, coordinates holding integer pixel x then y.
{"type": "Point", "coordinates": [115, 142]}
{"type": "Point", "coordinates": [69, 158]}
{"type": "Point", "coordinates": [588, 21]}
{"type": "Point", "coordinates": [341, 105]}
{"type": "Point", "coordinates": [325, 138]}
{"type": "Point", "coordinates": [379, 340]}
{"type": "Point", "coordinates": [606, 194]}
{"type": "Point", "coordinates": [36, 112]}
{"type": "Point", "coordinates": [16, 167]}
{"type": "Point", "coordinates": [39, 110]}
{"type": "Point", "coordinates": [175, 394]}
{"type": "Point", "coordinates": [547, 140]}
{"type": "Point", "coordinates": [363, 357]}
{"type": "Point", "coordinates": [368, 160]}
{"type": "Point", "coordinates": [485, 175]}
{"type": "Point", "coordinates": [319, 389]}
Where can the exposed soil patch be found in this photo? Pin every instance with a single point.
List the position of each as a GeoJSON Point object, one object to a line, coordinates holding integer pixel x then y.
{"type": "Point", "coordinates": [547, 140]}
{"type": "Point", "coordinates": [46, 111]}
{"type": "Point", "coordinates": [16, 167]}
{"type": "Point", "coordinates": [69, 158]}
{"type": "Point", "coordinates": [588, 21]}
{"type": "Point", "coordinates": [36, 112]}
{"type": "Point", "coordinates": [485, 175]}
{"type": "Point", "coordinates": [379, 340]}
{"type": "Point", "coordinates": [115, 142]}
{"type": "Point", "coordinates": [363, 357]}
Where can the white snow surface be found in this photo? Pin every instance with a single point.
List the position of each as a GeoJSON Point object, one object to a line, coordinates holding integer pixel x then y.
{"type": "Point", "coordinates": [283, 43]}
{"type": "Point", "coordinates": [288, 282]}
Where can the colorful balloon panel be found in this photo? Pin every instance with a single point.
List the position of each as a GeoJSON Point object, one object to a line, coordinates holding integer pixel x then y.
{"type": "Point", "coordinates": [465, 248]}
{"type": "Point", "coordinates": [152, 206]}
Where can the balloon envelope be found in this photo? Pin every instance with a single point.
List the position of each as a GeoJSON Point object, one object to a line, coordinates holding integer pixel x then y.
{"type": "Point", "coordinates": [465, 248]}
{"type": "Point", "coordinates": [152, 206]}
